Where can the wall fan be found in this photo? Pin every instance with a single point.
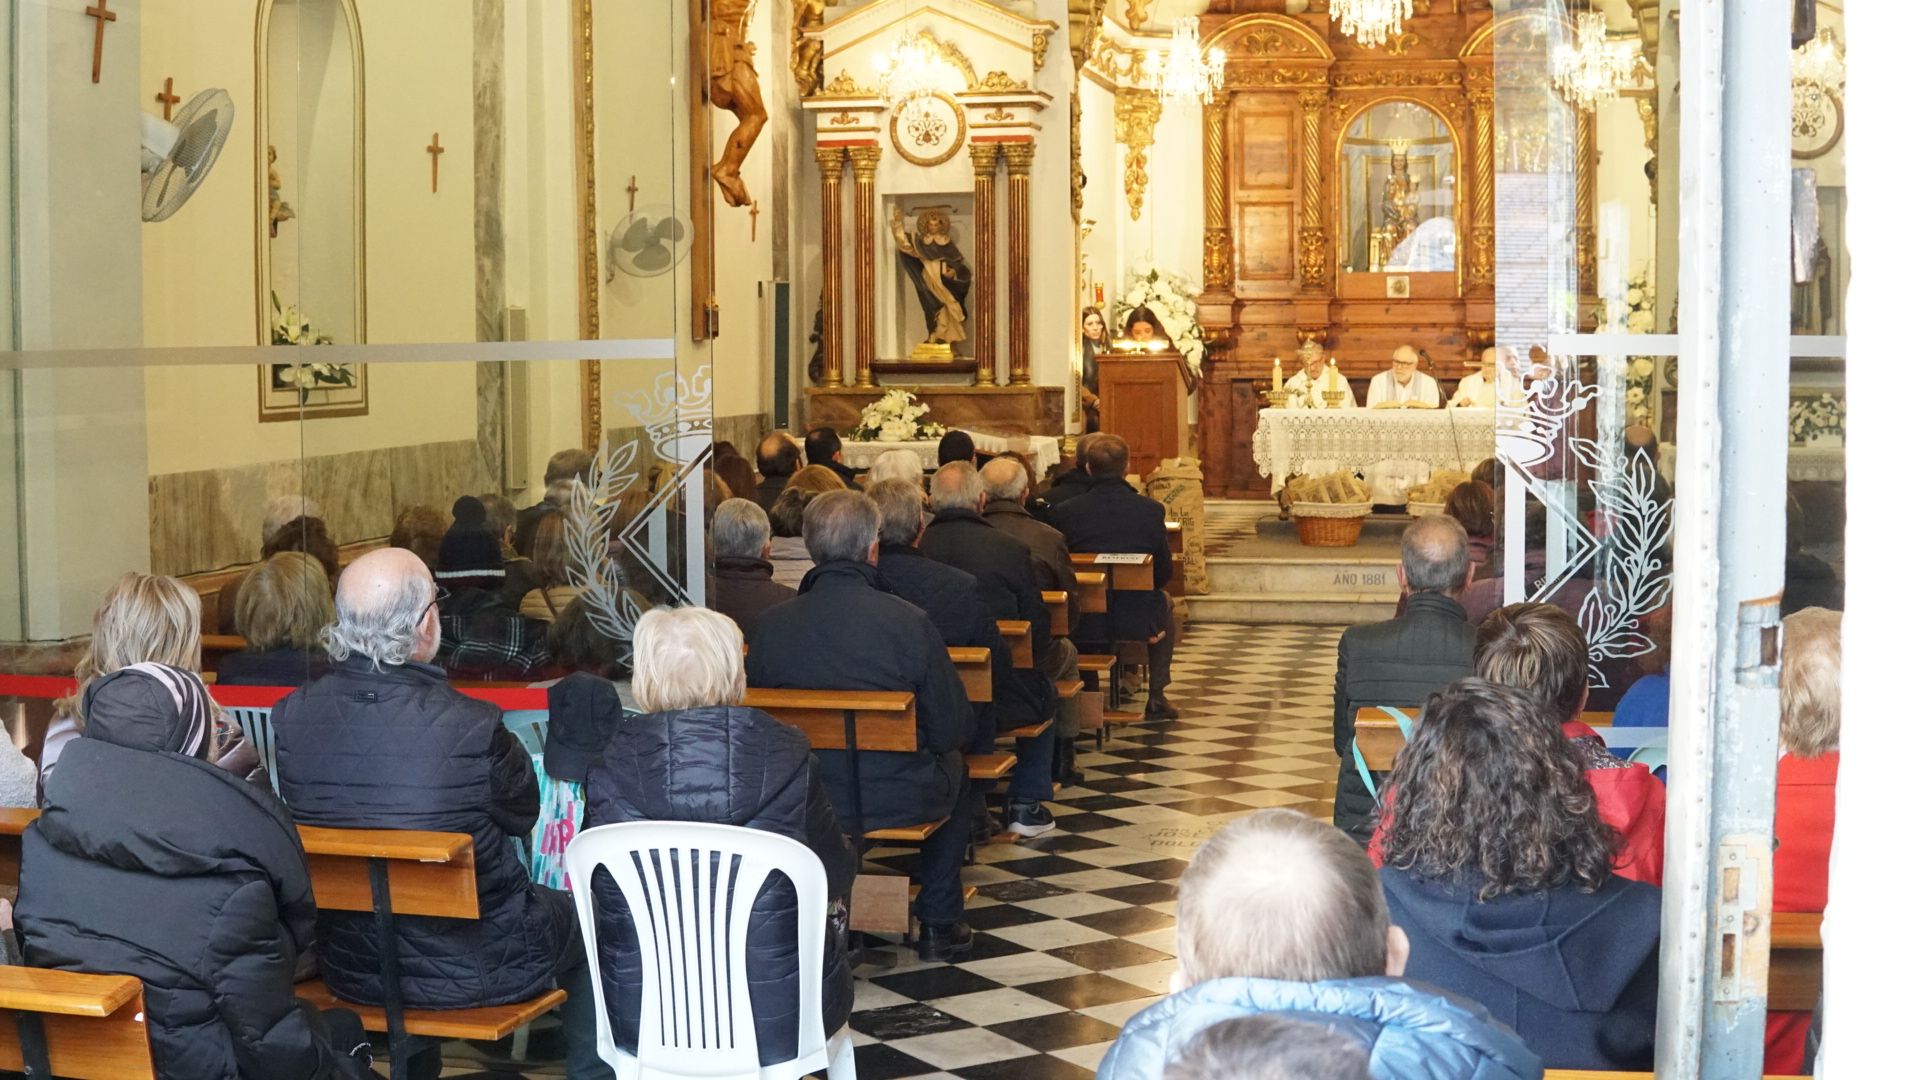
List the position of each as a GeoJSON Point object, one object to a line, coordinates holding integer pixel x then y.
{"type": "Point", "coordinates": [647, 243]}
{"type": "Point", "coordinates": [176, 155]}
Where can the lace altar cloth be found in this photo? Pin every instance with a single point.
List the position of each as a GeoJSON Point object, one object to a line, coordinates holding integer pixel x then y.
{"type": "Point", "coordinates": [1288, 439]}
{"type": "Point", "coordinates": [1042, 450]}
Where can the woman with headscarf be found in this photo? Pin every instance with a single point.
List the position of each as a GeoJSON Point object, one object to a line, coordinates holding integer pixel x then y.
{"type": "Point", "coordinates": [150, 861]}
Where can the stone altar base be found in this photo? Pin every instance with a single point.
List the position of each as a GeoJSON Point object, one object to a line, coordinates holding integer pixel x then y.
{"type": "Point", "coordinates": [1036, 410]}
{"type": "Point", "coordinates": [1271, 577]}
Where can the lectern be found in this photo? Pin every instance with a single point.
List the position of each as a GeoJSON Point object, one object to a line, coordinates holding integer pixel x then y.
{"type": "Point", "coordinates": [1143, 399]}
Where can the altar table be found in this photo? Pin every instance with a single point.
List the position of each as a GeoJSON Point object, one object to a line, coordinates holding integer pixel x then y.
{"type": "Point", "coordinates": [1288, 439]}
{"type": "Point", "coordinates": [1042, 450]}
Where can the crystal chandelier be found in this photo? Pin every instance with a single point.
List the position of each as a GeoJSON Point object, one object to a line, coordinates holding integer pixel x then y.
{"type": "Point", "coordinates": [1183, 72]}
{"type": "Point", "coordinates": [910, 72]}
{"type": "Point", "coordinates": [1370, 22]}
{"type": "Point", "coordinates": [1593, 68]}
{"type": "Point", "coordinates": [1821, 62]}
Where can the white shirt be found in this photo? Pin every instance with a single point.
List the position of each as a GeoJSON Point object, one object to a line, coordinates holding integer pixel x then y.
{"type": "Point", "coordinates": [1384, 389]}
{"type": "Point", "coordinates": [1475, 393]}
{"type": "Point", "coordinates": [1316, 390]}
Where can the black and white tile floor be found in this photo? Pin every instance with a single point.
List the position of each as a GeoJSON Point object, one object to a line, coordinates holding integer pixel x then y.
{"type": "Point", "coordinates": [1074, 930]}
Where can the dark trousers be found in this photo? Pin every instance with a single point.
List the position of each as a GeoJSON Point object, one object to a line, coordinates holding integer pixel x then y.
{"type": "Point", "coordinates": [1032, 779]}
{"type": "Point", "coordinates": [1160, 653]}
{"type": "Point", "coordinates": [940, 861]}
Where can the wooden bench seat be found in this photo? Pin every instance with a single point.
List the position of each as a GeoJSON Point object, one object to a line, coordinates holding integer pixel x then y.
{"type": "Point", "coordinates": [1018, 634]}
{"type": "Point", "coordinates": [1121, 576]}
{"type": "Point", "coordinates": [1031, 731]}
{"type": "Point", "coordinates": [992, 766]}
{"type": "Point", "coordinates": [489, 1023]}
{"type": "Point", "coordinates": [63, 1023]}
{"type": "Point", "coordinates": [1378, 736]}
{"type": "Point", "coordinates": [1056, 601]}
{"type": "Point", "coordinates": [907, 834]}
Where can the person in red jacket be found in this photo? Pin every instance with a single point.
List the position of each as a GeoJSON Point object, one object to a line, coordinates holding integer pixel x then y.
{"type": "Point", "coordinates": [1803, 801]}
{"type": "Point", "coordinates": [1538, 647]}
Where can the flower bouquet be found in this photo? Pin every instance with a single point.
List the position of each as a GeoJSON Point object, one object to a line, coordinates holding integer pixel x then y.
{"type": "Point", "coordinates": [1170, 297]}
{"type": "Point", "coordinates": [291, 327]}
{"type": "Point", "coordinates": [896, 417]}
{"type": "Point", "coordinates": [1817, 421]}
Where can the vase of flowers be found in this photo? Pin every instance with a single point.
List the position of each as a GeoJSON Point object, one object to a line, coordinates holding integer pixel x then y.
{"type": "Point", "coordinates": [1638, 319]}
{"type": "Point", "coordinates": [292, 327]}
{"type": "Point", "coordinates": [1818, 422]}
{"type": "Point", "coordinates": [1171, 298]}
{"type": "Point", "coordinates": [896, 417]}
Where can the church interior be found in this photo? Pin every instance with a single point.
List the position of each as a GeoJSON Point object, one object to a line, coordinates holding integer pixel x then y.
{"type": "Point", "coordinates": [1332, 269]}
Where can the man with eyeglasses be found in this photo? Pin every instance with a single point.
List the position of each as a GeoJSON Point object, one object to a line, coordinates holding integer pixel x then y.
{"type": "Point", "coordinates": [1404, 386]}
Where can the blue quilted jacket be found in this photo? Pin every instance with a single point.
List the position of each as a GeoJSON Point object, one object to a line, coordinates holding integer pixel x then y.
{"type": "Point", "coordinates": [1413, 1032]}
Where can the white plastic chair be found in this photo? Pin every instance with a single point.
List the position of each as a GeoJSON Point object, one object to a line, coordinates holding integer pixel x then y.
{"type": "Point", "coordinates": [256, 724]}
{"type": "Point", "coordinates": [696, 1019]}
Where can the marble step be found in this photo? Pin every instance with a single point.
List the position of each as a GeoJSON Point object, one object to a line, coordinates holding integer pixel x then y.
{"type": "Point", "coordinates": [1322, 609]}
{"type": "Point", "coordinates": [1359, 578]}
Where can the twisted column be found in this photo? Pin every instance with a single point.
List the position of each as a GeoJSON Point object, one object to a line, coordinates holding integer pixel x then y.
{"type": "Point", "coordinates": [832, 161]}
{"type": "Point", "coordinates": [866, 161]}
{"type": "Point", "coordinates": [1019, 174]}
{"type": "Point", "coordinates": [1313, 234]}
{"type": "Point", "coordinates": [986, 162]}
{"type": "Point", "coordinates": [1583, 244]}
{"type": "Point", "coordinates": [1217, 262]}
{"type": "Point", "coordinates": [1480, 265]}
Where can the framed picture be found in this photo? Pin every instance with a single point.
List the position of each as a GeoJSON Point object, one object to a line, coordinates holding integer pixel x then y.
{"type": "Point", "coordinates": [312, 390]}
{"type": "Point", "coordinates": [1399, 287]}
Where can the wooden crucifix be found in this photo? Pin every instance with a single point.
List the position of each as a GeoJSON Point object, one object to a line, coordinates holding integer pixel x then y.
{"type": "Point", "coordinates": [435, 149]}
{"type": "Point", "coordinates": [754, 214]}
{"type": "Point", "coordinates": [633, 191]}
{"type": "Point", "coordinates": [167, 99]}
{"type": "Point", "coordinates": [101, 17]}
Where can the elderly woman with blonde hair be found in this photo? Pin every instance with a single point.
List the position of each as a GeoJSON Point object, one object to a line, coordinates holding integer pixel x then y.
{"type": "Point", "coordinates": [696, 754]}
{"type": "Point", "coordinates": [284, 604]}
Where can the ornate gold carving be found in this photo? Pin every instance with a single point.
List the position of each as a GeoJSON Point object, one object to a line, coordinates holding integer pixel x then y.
{"type": "Point", "coordinates": [1083, 25]}
{"type": "Point", "coordinates": [1217, 261]}
{"type": "Point", "coordinates": [1397, 76]}
{"type": "Point", "coordinates": [951, 54]}
{"type": "Point", "coordinates": [986, 162]}
{"type": "Point", "coordinates": [1583, 157]}
{"type": "Point", "coordinates": [844, 86]}
{"type": "Point", "coordinates": [1311, 105]}
{"type": "Point", "coordinates": [1041, 39]}
{"type": "Point", "coordinates": [584, 168]}
{"type": "Point", "coordinates": [1137, 13]}
{"type": "Point", "coordinates": [866, 162]}
{"type": "Point", "coordinates": [999, 82]}
{"type": "Point", "coordinates": [806, 54]}
{"type": "Point", "coordinates": [1270, 40]}
{"type": "Point", "coordinates": [1244, 76]}
{"type": "Point", "coordinates": [843, 118]}
{"type": "Point", "coordinates": [1135, 112]}
{"type": "Point", "coordinates": [1480, 259]}
{"type": "Point", "coordinates": [1000, 115]}
{"type": "Point", "coordinates": [1079, 182]}
{"type": "Point", "coordinates": [832, 161]}
{"type": "Point", "coordinates": [1398, 44]}
{"type": "Point", "coordinates": [1480, 262]}
{"type": "Point", "coordinates": [1313, 257]}
{"type": "Point", "coordinates": [940, 129]}
{"type": "Point", "coordinates": [1019, 226]}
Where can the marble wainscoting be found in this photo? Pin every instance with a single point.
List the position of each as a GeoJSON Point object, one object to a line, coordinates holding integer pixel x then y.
{"type": "Point", "coordinates": [210, 519]}
{"type": "Point", "coordinates": [1036, 410]}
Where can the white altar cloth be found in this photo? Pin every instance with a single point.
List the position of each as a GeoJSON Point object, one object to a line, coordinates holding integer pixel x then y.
{"type": "Point", "coordinates": [1288, 439]}
{"type": "Point", "coordinates": [1044, 450]}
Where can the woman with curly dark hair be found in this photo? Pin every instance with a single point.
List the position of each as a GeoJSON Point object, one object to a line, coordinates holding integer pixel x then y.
{"type": "Point", "coordinates": [1500, 871]}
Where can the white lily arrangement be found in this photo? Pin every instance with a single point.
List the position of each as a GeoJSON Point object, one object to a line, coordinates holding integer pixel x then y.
{"type": "Point", "coordinates": [1811, 417]}
{"type": "Point", "coordinates": [291, 327]}
{"type": "Point", "coordinates": [1170, 296]}
{"type": "Point", "coordinates": [1640, 369]}
{"type": "Point", "coordinates": [896, 417]}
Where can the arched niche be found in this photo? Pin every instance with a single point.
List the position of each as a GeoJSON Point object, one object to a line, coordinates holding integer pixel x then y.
{"type": "Point", "coordinates": [1400, 168]}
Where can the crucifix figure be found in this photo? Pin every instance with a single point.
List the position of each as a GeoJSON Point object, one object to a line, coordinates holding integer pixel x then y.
{"type": "Point", "coordinates": [434, 148]}
{"type": "Point", "coordinates": [633, 191]}
{"type": "Point", "coordinates": [755, 215]}
{"type": "Point", "coordinates": [167, 99]}
{"type": "Point", "coordinates": [101, 17]}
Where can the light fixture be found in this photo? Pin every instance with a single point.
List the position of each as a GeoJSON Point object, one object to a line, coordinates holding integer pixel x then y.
{"type": "Point", "coordinates": [910, 72]}
{"type": "Point", "coordinates": [1370, 22]}
{"type": "Point", "coordinates": [1592, 68]}
{"type": "Point", "coordinates": [1184, 72]}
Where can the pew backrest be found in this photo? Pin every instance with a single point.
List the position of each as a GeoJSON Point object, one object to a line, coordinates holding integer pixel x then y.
{"type": "Point", "coordinates": [1379, 738]}
{"type": "Point", "coordinates": [975, 665]}
{"type": "Point", "coordinates": [88, 1027]}
{"type": "Point", "coordinates": [1018, 634]}
{"type": "Point", "coordinates": [1092, 585]}
{"type": "Point", "coordinates": [882, 720]}
{"type": "Point", "coordinates": [1056, 601]}
{"type": "Point", "coordinates": [428, 873]}
{"type": "Point", "coordinates": [1126, 573]}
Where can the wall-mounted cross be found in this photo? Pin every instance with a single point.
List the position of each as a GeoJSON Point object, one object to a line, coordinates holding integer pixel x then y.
{"type": "Point", "coordinates": [633, 191]}
{"type": "Point", "coordinates": [167, 99]}
{"type": "Point", "coordinates": [434, 148]}
{"type": "Point", "coordinates": [754, 215]}
{"type": "Point", "coordinates": [101, 17]}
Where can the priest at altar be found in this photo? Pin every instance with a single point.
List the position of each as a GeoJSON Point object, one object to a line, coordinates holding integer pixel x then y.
{"type": "Point", "coordinates": [1310, 386]}
{"type": "Point", "coordinates": [1493, 383]}
{"type": "Point", "coordinates": [1404, 386]}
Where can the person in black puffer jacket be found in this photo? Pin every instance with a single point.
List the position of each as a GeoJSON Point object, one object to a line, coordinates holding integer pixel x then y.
{"type": "Point", "coordinates": [694, 754]}
{"type": "Point", "coordinates": [385, 742]}
{"type": "Point", "coordinates": [151, 862]}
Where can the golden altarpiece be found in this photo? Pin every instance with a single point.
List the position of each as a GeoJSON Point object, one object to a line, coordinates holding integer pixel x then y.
{"type": "Point", "coordinates": [1349, 199]}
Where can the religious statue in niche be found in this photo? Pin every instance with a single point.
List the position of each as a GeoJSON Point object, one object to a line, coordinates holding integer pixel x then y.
{"type": "Point", "coordinates": [940, 275]}
{"type": "Point", "coordinates": [277, 210]}
{"type": "Point", "coordinates": [1400, 206]}
{"type": "Point", "coordinates": [734, 85]}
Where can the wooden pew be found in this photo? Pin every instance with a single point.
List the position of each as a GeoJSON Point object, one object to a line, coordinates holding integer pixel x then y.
{"type": "Point", "coordinates": [1018, 634]}
{"type": "Point", "coordinates": [1378, 734]}
{"type": "Point", "coordinates": [62, 1023]}
{"type": "Point", "coordinates": [975, 665]}
{"type": "Point", "coordinates": [1177, 546]}
{"type": "Point", "coordinates": [1056, 601]}
{"type": "Point", "coordinates": [1123, 576]}
{"type": "Point", "coordinates": [215, 646]}
{"type": "Point", "coordinates": [1093, 590]}
{"type": "Point", "coordinates": [1794, 963]}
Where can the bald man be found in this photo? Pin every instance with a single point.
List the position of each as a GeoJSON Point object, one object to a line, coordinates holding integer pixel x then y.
{"type": "Point", "coordinates": [1487, 386]}
{"type": "Point", "coordinates": [384, 741]}
{"type": "Point", "coordinates": [778, 458]}
{"type": "Point", "coordinates": [1404, 384]}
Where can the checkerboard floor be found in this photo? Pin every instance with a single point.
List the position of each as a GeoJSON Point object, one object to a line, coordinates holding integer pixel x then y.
{"type": "Point", "coordinates": [1073, 931]}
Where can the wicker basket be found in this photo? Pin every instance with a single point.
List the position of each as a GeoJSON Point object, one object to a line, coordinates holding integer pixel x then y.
{"type": "Point", "coordinates": [1331, 524]}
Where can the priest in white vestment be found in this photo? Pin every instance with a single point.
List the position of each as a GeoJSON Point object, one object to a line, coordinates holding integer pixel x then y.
{"type": "Point", "coordinates": [1403, 384]}
{"type": "Point", "coordinates": [1316, 378]}
{"type": "Point", "coordinates": [1493, 383]}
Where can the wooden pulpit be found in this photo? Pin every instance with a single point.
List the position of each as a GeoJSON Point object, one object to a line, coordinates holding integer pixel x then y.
{"type": "Point", "coordinates": [1143, 399]}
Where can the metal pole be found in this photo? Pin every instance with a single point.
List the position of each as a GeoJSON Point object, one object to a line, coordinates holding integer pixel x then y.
{"type": "Point", "coordinates": [1729, 549]}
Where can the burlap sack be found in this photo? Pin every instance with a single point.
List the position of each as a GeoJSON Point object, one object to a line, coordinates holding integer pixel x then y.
{"type": "Point", "coordinates": [1176, 484]}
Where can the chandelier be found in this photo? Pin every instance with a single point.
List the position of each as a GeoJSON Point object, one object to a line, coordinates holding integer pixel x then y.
{"type": "Point", "coordinates": [1183, 72]}
{"type": "Point", "coordinates": [1370, 22]}
{"type": "Point", "coordinates": [910, 73]}
{"type": "Point", "coordinates": [1593, 68]}
{"type": "Point", "coordinates": [1821, 62]}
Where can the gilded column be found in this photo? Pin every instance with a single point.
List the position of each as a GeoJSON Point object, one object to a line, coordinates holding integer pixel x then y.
{"type": "Point", "coordinates": [1313, 233]}
{"type": "Point", "coordinates": [1583, 243]}
{"type": "Point", "coordinates": [1217, 262]}
{"type": "Point", "coordinates": [832, 161]}
{"type": "Point", "coordinates": [866, 161]}
{"type": "Point", "coordinates": [986, 163]}
{"type": "Point", "coordinates": [1019, 230]}
{"type": "Point", "coordinates": [1480, 268]}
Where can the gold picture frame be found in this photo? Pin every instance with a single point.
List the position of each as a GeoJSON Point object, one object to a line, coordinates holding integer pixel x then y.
{"type": "Point", "coordinates": [944, 144]}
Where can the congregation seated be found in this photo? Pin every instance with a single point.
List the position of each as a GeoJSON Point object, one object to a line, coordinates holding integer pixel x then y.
{"type": "Point", "coordinates": [957, 602]}
{"type": "Point", "coordinates": [564, 469]}
{"type": "Point", "coordinates": [284, 604]}
{"type": "Point", "coordinates": [1471, 504]}
{"type": "Point", "coordinates": [547, 559]}
{"type": "Point", "coordinates": [1500, 870]}
{"type": "Point", "coordinates": [742, 585]}
{"type": "Point", "coordinates": [694, 753]}
{"type": "Point", "coordinates": [502, 524]}
{"type": "Point", "coordinates": [384, 741]}
{"type": "Point", "coordinates": [845, 632]}
{"type": "Point", "coordinates": [1803, 800]}
{"type": "Point", "coordinates": [1400, 661]}
{"type": "Point", "coordinates": [823, 449]}
{"type": "Point", "coordinates": [955, 445]}
{"type": "Point", "coordinates": [420, 529]}
{"type": "Point", "coordinates": [1269, 1046]}
{"type": "Point", "coordinates": [787, 551]}
{"type": "Point", "coordinates": [305, 532]}
{"type": "Point", "coordinates": [816, 480]}
{"type": "Point", "coordinates": [149, 861]}
{"type": "Point", "coordinates": [1540, 649]}
{"type": "Point", "coordinates": [1008, 480]}
{"type": "Point", "coordinates": [1068, 480]}
{"type": "Point", "coordinates": [1334, 962]}
{"type": "Point", "coordinates": [1110, 517]}
{"type": "Point", "coordinates": [896, 465]}
{"type": "Point", "coordinates": [737, 474]}
{"type": "Point", "coordinates": [777, 458]}
{"type": "Point", "coordinates": [481, 637]}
